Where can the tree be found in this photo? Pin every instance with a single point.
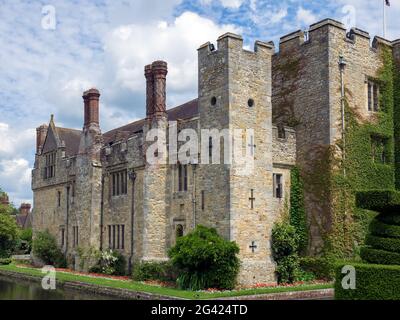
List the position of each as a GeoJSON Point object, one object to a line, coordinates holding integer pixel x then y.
{"type": "Point", "coordinates": [8, 234]}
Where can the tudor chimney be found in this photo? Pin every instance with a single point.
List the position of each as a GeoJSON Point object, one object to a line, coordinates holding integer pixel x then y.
{"type": "Point", "coordinates": [25, 209]}
{"type": "Point", "coordinates": [91, 100]}
{"type": "Point", "coordinates": [41, 133]}
{"type": "Point", "coordinates": [160, 71]}
{"type": "Point", "coordinates": [148, 73]}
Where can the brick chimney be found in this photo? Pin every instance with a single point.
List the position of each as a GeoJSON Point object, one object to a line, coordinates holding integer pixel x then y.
{"type": "Point", "coordinates": [148, 73]}
{"type": "Point", "coordinates": [25, 209]}
{"type": "Point", "coordinates": [41, 133]}
{"type": "Point", "coordinates": [91, 99]}
{"type": "Point", "coordinates": [156, 79]}
{"type": "Point", "coordinates": [4, 199]}
{"type": "Point", "coordinates": [160, 71]}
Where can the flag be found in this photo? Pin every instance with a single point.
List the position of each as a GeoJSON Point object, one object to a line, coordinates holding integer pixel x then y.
{"type": "Point", "coordinates": [387, 3]}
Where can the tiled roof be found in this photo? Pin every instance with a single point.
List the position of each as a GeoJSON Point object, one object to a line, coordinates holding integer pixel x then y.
{"type": "Point", "coordinates": [72, 139]}
{"type": "Point", "coordinates": [185, 111]}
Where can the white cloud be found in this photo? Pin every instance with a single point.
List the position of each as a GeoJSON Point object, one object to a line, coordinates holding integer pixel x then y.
{"type": "Point", "coordinates": [232, 3]}
{"type": "Point", "coordinates": [305, 17]}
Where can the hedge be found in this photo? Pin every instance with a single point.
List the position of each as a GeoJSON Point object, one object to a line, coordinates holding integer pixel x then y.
{"type": "Point", "coordinates": [373, 282]}
{"type": "Point", "coordinates": [377, 256]}
{"type": "Point", "coordinates": [379, 200]}
{"type": "Point", "coordinates": [321, 267]}
{"type": "Point", "coordinates": [392, 218]}
{"type": "Point", "coordinates": [388, 244]}
{"type": "Point", "coordinates": [379, 228]}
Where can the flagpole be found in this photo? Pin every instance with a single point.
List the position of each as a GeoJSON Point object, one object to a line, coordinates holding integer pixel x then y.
{"type": "Point", "coordinates": [384, 19]}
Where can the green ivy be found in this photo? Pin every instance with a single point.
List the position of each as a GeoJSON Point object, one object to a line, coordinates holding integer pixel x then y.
{"type": "Point", "coordinates": [298, 217]}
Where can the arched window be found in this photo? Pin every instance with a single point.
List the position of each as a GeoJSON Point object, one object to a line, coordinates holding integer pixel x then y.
{"type": "Point", "coordinates": [179, 231]}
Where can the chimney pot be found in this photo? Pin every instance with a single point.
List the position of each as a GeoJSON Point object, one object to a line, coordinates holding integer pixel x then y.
{"type": "Point", "coordinates": [91, 101]}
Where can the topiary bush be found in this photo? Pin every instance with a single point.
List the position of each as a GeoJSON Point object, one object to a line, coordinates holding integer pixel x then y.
{"type": "Point", "coordinates": [205, 260]}
{"type": "Point", "coordinates": [45, 247]}
{"type": "Point", "coordinates": [161, 271]}
{"type": "Point", "coordinates": [285, 242]}
{"type": "Point", "coordinates": [373, 282]}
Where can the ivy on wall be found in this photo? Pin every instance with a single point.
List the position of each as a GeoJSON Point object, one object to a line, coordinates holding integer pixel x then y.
{"type": "Point", "coordinates": [365, 168]}
{"type": "Point", "coordinates": [298, 217]}
{"type": "Point", "coordinates": [396, 116]}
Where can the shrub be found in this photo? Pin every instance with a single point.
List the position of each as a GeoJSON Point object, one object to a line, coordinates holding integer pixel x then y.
{"type": "Point", "coordinates": [162, 271]}
{"type": "Point", "coordinates": [5, 261]}
{"type": "Point", "coordinates": [205, 260]}
{"type": "Point", "coordinates": [45, 247]}
{"type": "Point", "coordinates": [379, 228]}
{"type": "Point", "coordinates": [8, 235]}
{"type": "Point", "coordinates": [110, 263]}
{"type": "Point", "coordinates": [25, 237]}
{"type": "Point", "coordinates": [379, 200]}
{"type": "Point", "coordinates": [377, 256]}
{"type": "Point", "coordinates": [321, 267]}
{"type": "Point", "coordinates": [373, 282]}
{"type": "Point", "coordinates": [388, 244]}
{"type": "Point", "coordinates": [285, 243]}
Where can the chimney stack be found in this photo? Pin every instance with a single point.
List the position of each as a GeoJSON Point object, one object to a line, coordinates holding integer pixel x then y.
{"type": "Point", "coordinates": [148, 73]}
{"type": "Point", "coordinates": [25, 209]}
{"type": "Point", "coordinates": [156, 81]}
{"type": "Point", "coordinates": [41, 133]}
{"type": "Point", "coordinates": [91, 99]}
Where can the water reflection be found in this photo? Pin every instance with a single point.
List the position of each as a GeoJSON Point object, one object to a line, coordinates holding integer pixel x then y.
{"type": "Point", "coordinates": [21, 290]}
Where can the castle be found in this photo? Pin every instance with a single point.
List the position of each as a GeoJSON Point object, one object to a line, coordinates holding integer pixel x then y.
{"type": "Point", "coordinates": [94, 189]}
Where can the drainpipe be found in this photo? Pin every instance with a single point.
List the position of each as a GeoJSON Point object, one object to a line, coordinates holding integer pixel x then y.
{"type": "Point", "coordinates": [67, 223]}
{"type": "Point", "coordinates": [342, 65]}
{"type": "Point", "coordinates": [132, 177]}
{"type": "Point", "coordinates": [194, 196]}
{"type": "Point", "coordinates": [102, 212]}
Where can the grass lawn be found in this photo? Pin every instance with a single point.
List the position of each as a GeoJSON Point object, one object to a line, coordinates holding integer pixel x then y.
{"type": "Point", "coordinates": [139, 286]}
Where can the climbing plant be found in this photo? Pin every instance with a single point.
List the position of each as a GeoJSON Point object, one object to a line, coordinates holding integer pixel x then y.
{"type": "Point", "coordinates": [298, 217]}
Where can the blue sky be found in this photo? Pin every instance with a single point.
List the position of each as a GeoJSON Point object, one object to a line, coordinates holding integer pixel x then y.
{"type": "Point", "coordinates": [106, 43]}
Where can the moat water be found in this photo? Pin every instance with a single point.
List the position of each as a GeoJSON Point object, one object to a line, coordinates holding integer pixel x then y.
{"type": "Point", "coordinates": [11, 289]}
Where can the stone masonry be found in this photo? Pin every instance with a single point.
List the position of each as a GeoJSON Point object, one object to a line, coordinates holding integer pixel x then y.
{"type": "Point", "coordinates": [95, 190]}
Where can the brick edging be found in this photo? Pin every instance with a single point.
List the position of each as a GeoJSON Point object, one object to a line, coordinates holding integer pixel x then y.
{"type": "Point", "coordinates": [293, 295]}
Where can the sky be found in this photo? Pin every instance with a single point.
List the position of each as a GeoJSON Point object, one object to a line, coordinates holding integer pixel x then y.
{"type": "Point", "coordinates": [51, 51]}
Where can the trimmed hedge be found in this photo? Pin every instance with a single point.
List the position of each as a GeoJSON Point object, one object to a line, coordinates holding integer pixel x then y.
{"type": "Point", "coordinates": [392, 218]}
{"type": "Point", "coordinates": [379, 228]}
{"type": "Point", "coordinates": [379, 200]}
{"type": "Point", "coordinates": [373, 282]}
{"type": "Point", "coordinates": [388, 244]}
{"type": "Point", "coordinates": [377, 256]}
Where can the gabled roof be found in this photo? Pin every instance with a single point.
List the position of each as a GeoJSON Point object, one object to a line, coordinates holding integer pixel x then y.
{"type": "Point", "coordinates": [71, 137]}
{"type": "Point", "coordinates": [182, 112]}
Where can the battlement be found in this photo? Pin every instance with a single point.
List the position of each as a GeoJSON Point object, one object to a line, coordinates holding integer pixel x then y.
{"type": "Point", "coordinates": [231, 41]}
{"type": "Point", "coordinates": [324, 31]}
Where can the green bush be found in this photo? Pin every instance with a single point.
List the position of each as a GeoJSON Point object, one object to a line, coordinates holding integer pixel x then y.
{"type": "Point", "coordinates": [25, 237]}
{"type": "Point", "coordinates": [205, 260]}
{"type": "Point", "coordinates": [285, 242]}
{"type": "Point", "coordinates": [373, 282]}
{"type": "Point", "coordinates": [379, 200]}
{"type": "Point", "coordinates": [5, 261]}
{"type": "Point", "coordinates": [162, 271]}
{"type": "Point", "coordinates": [377, 256]}
{"type": "Point", "coordinates": [321, 267]}
{"type": "Point", "coordinates": [8, 235]}
{"type": "Point", "coordinates": [379, 228]}
{"type": "Point", "coordinates": [390, 218]}
{"type": "Point", "coordinates": [388, 244]}
{"type": "Point", "coordinates": [45, 247]}
{"type": "Point", "coordinates": [110, 263]}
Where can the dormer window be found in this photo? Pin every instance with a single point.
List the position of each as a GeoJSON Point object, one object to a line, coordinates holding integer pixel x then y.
{"type": "Point", "coordinates": [50, 165]}
{"type": "Point", "coordinates": [373, 96]}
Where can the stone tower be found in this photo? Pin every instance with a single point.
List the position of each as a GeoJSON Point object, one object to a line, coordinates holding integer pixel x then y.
{"type": "Point", "coordinates": [89, 174]}
{"type": "Point", "coordinates": [235, 93]}
{"type": "Point", "coordinates": [155, 173]}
